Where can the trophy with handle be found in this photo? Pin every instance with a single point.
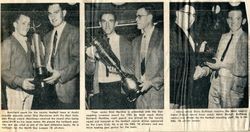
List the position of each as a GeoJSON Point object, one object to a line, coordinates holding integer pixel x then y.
{"type": "Point", "coordinates": [39, 63]}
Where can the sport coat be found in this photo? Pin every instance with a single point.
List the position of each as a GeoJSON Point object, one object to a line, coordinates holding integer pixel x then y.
{"type": "Point", "coordinates": [66, 61]}
{"type": "Point", "coordinates": [16, 64]}
{"type": "Point", "coordinates": [154, 72]}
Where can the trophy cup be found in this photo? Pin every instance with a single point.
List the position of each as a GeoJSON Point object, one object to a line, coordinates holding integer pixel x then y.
{"type": "Point", "coordinates": [129, 81]}
{"type": "Point", "coordinates": [39, 63]}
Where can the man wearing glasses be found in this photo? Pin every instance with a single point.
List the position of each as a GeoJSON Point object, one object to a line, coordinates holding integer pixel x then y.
{"type": "Point", "coordinates": [183, 66]}
{"type": "Point", "coordinates": [148, 55]}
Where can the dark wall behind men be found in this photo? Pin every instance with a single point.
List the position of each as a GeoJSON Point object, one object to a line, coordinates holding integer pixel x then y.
{"type": "Point", "coordinates": [38, 13]}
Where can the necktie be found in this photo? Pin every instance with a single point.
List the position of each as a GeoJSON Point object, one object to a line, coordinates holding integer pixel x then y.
{"type": "Point", "coordinates": [143, 55]}
{"type": "Point", "coordinates": [54, 50]}
{"type": "Point", "coordinates": [225, 51]}
{"type": "Point", "coordinates": [107, 70]}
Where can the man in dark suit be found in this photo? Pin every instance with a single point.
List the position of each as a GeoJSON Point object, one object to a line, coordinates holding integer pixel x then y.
{"type": "Point", "coordinates": [16, 65]}
{"type": "Point", "coordinates": [148, 59]}
{"type": "Point", "coordinates": [62, 58]}
{"type": "Point", "coordinates": [184, 69]}
{"type": "Point", "coordinates": [107, 82]}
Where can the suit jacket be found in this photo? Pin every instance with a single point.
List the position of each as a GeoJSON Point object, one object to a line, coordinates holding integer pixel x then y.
{"type": "Point", "coordinates": [125, 61]}
{"type": "Point", "coordinates": [154, 72]}
{"type": "Point", "coordinates": [239, 68]}
{"type": "Point", "coordinates": [66, 61]}
{"type": "Point", "coordinates": [182, 68]}
{"type": "Point", "coordinates": [16, 63]}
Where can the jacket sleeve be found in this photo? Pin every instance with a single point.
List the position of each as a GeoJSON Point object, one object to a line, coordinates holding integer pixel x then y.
{"type": "Point", "coordinates": [73, 68]}
{"type": "Point", "coordinates": [8, 74]}
{"type": "Point", "coordinates": [158, 80]}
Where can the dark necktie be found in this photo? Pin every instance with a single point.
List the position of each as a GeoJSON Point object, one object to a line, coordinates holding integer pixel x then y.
{"type": "Point", "coordinates": [54, 50]}
{"type": "Point", "coordinates": [107, 70]}
{"type": "Point", "coordinates": [225, 51]}
{"type": "Point", "coordinates": [143, 65]}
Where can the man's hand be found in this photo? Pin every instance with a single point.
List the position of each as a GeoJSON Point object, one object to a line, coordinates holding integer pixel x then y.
{"type": "Point", "coordinates": [27, 85]}
{"type": "Point", "coordinates": [203, 46]}
{"type": "Point", "coordinates": [91, 52]}
{"type": "Point", "coordinates": [146, 85]}
{"type": "Point", "coordinates": [199, 73]}
{"type": "Point", "coordinates": [216, 65]}
{"type": "Point", "coordinates": [54, 78]}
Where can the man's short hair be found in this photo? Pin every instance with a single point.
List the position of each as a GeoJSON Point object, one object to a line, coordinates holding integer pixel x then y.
{"type": "Point", "coordinates": [62, 5]}
{"type": "Point", "coordinates": [17, 16]}
{"type": "Point", "coordinates": [241, 8]}
{"type": "Point", "coordinates": [108, 12]}
{"type": "Point", "coordinates": [150, 9]}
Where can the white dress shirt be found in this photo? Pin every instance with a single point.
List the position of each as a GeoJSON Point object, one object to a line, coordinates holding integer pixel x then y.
{"type": "Point", "coordinates": [59, 30]}
{"type": "Point", "coordinates": [113, 76]}
{"type": "Point", "coordinates": [22, 40]}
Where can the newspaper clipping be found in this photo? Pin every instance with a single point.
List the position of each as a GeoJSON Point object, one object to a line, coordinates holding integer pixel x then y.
{"type": "Point", "coordinates": [124, 65]}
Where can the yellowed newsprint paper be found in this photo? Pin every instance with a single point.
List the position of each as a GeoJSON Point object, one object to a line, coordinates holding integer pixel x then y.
{"type": "Point", "coordinates": [124, 65]}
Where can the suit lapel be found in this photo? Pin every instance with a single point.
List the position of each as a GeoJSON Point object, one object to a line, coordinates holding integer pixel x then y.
{"type": "Point", "coordinates": [62, 38]}
{"type": "Point", "coordinates": [152, 42]}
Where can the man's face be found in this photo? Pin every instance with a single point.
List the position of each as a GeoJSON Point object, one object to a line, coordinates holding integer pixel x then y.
{"type": "Point", "coordinates": [187, 18]}
{"type": "Point", "coordinates": [234, 20]}
{"type": "Point", "coordinates": [108, 23]}
{"type": "Point", "coordinates": [56, 14]}
{"type": "Point", "coordinates": [22, 25]}
{"type": "Point", "coordinates": [143, 19]}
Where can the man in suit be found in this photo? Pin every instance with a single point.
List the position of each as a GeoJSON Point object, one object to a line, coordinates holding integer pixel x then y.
{"type": "Point", "coordinates": [62, 58]}
{"type": "Point", "coordinates": [184, 69]}
{"type": "Point", "coordinates": [230, 70]}
{"type": "Point", "coordinates": [107, 83]}
{"type": "Point", "coordinates": [16, 67]}
{"type": "Point", "coordinates": [148, 59]}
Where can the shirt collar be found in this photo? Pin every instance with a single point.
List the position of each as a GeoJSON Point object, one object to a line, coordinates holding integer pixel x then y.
{"type": "Point", "coordinates": [112, 35]}
{"type": "Point", "coordinates": [238, 32]}
{"type": "Point", "coordinates": [148, 32]}
{"type": "Point", "coordinates": [19, 37]}
{"type": "Point", "coordinates": [60, 28]}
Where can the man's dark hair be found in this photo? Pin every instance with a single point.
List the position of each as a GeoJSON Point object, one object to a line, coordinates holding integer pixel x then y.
{"type": "Point", "coordinates": [62, 5]}
{"type": "Point", "coordinates": [17, 16]}
{"type": "Point", "coordinates": [241, 8]}
{"type": "Point", "coordinates": [107, 12]}
{"type": "Point", "coordinates": [150, 10]}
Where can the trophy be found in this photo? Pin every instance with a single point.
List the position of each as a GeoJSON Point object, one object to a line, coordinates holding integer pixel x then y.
{"type": "Point", "coordinates": [39, 63]}
{"type": "Point", "coordinates": [129, 81]}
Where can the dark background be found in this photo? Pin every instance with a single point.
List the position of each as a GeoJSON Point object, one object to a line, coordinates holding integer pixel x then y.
{"type": "Point", "coordinates": [126, 13]}
{"type": "Point", "coordinates": [38, 13]}
{"type": "Point", "coordinates": [209, 27]}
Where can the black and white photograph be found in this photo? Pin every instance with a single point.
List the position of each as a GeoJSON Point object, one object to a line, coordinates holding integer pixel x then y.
{"type": "Point", "coordinates": [40, 56]}
{"type": "Point", "coordinates": [124, 61]}
{"type": "Point", "coordinates": [208, 55]}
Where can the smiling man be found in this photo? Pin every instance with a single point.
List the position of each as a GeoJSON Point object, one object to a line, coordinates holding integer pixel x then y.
{"type": "Point", "coordinates": [16, 65]}
{"type": "Point", "coordinates": [227, 87]}
{"type": "Point", "coordinates": [62, 58]}
{"type": "Point", "coordinates": [107, 83]}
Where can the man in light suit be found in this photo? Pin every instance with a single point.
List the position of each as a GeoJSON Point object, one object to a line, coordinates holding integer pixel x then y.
{"type": "Point", "coordinates": [62, 58]}
{"type": "Point", "coordinates": [16, 65]}
{"type": "Point", "coordinates": [148, 59]}
{"type": "Point", "coordinates": [230, 70]}
{"type": "Point", "coordinates": [107, 83]}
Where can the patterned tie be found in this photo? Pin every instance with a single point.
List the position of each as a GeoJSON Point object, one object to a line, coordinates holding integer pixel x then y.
{"type": "Point", "coordinates": [225, 51]}
{"type": "Point", "coordinates": [54, 50]}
